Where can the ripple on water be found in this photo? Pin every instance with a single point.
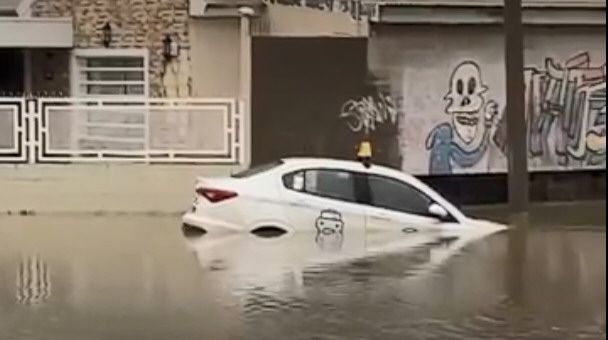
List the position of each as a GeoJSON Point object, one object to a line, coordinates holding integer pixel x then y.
{"type": "Point", "coordinates": [554, 290]}
{"type": "Point", "coordinates": [395, 297]}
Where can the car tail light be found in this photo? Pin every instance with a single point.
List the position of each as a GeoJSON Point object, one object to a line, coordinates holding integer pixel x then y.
{"type": "Point", "coordinates": [215, 195]}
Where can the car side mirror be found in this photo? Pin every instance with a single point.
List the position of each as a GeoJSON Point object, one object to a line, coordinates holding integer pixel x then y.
{"type": "Point", "coordinates": [438, 211]}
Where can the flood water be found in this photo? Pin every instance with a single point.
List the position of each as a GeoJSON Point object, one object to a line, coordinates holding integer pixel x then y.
{"type": "Point", "coordinates": [145, 278]}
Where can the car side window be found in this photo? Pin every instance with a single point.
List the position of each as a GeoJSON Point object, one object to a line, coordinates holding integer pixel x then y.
{"type": "Point", "coordinates": [399, 196]}
{"type": "Point", "coordinates": [329, 183]}
{"type": "Point", "coordinates": [294, 181]}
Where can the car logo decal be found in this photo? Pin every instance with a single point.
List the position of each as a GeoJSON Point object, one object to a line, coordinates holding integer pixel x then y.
{"type": "Point", "coordinates": [330, 230]}
{"type": "Point", "coordinates": [329, 222]}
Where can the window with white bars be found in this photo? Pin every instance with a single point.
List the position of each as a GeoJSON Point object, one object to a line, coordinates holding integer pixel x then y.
{"type": "Point", "coordinates": [111, 73]}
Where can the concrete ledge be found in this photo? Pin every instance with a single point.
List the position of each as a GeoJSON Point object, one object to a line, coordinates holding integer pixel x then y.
{"type": "Point", "coordinates": [549, 214]}
{"type": "Point", "coordinates": [36, 32]}
{"type": "Point", "coordinates": [294, 21]}
{"type": "Point", "coordinates": [486, 15]}
{"type": "Point", "coordinates": [100, 188]}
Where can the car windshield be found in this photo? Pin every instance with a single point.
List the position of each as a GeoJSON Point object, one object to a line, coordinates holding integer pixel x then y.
{"type": "Point", "coordinates": [258, 169]}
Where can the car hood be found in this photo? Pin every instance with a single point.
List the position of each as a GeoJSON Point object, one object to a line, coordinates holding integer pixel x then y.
{"type": "Point", "coordinates": [483, 226]}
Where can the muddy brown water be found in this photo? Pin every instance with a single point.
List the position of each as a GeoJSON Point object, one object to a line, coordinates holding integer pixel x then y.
{"type": "Point", "coordinates": [144, 278]}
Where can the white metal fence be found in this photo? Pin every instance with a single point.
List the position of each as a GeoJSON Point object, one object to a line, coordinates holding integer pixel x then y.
{"type": "Point", "coordinates": [12, 130]}
{"type": "Point", "coordinates": [192, 130]}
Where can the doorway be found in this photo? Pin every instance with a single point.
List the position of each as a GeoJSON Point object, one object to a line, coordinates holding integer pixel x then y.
{"type": "Point", "coordinates": [11, 73]}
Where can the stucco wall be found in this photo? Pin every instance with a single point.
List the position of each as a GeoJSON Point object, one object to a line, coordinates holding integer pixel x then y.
{"type": "Point", "coordinates": [135, 24]}
{"type": "Point", "coordinates": [215, 57]}
{"type": "Point", "coordinates": [423, 64]}
{"type": "Point", "coordinates": [302, 92]}
{"type": "Point", "coordinates": [286, 20]}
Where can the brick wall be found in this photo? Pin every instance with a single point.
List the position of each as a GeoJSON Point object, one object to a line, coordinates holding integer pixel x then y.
{"type": "Point", "coordinates": [135, 24]}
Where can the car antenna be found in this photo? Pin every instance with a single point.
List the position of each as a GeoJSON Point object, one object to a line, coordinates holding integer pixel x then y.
{"type": "Point", "coordinates": [364, 154]}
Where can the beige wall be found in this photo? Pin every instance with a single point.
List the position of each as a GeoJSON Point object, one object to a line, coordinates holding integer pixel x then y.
{"type": "Point", "coordinates": [215, 57]}
{"type": "Point", "coordinates": [216, 52]}
{"type": "Point", "coordinates": [100, 188]}
{"type": "Point", "coordinates": [294, 21]}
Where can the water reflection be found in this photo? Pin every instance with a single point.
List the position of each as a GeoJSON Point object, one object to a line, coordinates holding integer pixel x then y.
{"type": "Point", "coordinates": [33, 281]}
{"type": "Point", "coordinates": [251, 262]}
{"type": "Point", "coordinates": [143, 278]}
{"type": "Point", "coordinates": [247, 256]}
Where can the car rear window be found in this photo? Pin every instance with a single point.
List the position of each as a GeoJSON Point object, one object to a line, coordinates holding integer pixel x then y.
{"type": "Point", "coordinates": [258, 169]}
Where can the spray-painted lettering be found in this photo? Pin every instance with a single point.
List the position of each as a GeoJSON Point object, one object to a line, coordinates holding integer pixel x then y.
{"type": "Point", "coordinates": [566, 113]}
{"type": "Point", "coordinates": [364, 113]}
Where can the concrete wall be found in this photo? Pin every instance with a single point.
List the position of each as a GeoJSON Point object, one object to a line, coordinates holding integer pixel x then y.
{"type": "Point", "coordinates": [443, 131]}
{"type": "Point", "coordinates": [99, 188]}
{"type": "Point", "coordinates": [302, 87]}
{"type": "Point", "coordinates": [215, 57]}
{"type": "Point", "coordinates": [135, 24]}
{"type": "Point", "coordinates": [283, 20]}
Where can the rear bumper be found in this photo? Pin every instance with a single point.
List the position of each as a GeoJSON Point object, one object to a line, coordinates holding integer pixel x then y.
{"type": "Point", "coordinates": [209, 225]}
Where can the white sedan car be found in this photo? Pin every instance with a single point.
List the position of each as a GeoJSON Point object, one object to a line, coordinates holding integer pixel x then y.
{"type": "Point", "coordinates": [325, 196]}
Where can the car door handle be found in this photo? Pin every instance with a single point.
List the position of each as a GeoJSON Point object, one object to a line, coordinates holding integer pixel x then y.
{"type": "Point", "coordinates": [380, 218]}
{"type": "Point", "coordinates": [298, 204]}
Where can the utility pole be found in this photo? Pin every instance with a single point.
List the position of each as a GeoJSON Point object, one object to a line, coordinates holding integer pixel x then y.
{"type": "Point", "coordinates": [515, 110]}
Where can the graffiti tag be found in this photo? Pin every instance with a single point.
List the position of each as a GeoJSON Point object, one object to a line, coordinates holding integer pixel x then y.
{"type": "Point", "coordinates": [365, 113]}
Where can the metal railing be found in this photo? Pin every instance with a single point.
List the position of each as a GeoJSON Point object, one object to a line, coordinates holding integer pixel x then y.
{"type": "Point", "coordinates": [88, 130]}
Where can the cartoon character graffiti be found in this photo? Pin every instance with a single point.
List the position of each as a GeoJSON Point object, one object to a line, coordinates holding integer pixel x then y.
{"type": "Point", "coordinates": [466, 106]}
{"type": "Point", "coordinates": [595, 139]}
{"type": "Point", "coordinates": [330, 230]}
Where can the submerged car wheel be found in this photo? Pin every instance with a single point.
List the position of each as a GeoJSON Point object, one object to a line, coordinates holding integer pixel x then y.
{"type": "Point", "coordinates": [191, 231]}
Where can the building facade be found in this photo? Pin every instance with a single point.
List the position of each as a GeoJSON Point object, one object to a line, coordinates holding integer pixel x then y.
{"type": "Point", "coordinates": [424, 80]}
{"type": "Point", "coordinates": [113, 48]}
{"type": "Point", "coordinates": [429, 90]}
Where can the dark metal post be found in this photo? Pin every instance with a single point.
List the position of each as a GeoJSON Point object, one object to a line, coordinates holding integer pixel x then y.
{"type": "Point", "coordinates": [516, 263]}
{"type": "Point", "coordinates": [515, 109]}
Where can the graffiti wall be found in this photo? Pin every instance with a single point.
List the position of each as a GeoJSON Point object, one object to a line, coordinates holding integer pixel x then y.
{"type": "Point", "coordinates": [566, 113]}
{"type": "Point", "coordinates": [451, 84]}
{"type": "Point", "coordinates": [315, 97]}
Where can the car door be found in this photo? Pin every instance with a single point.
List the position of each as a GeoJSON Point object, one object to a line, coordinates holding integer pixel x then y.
{"type": "Point", "coordinates": [325, 201]}
{"type": "Point", "coordinates": [397, 205]}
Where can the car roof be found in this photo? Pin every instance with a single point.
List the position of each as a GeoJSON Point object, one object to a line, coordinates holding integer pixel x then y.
{"type": "Point", "coordinates": [345, 164]}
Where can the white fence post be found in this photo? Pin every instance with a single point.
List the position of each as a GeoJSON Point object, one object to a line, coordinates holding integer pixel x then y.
{"type": "Point", "coordinates": [32, 143]}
